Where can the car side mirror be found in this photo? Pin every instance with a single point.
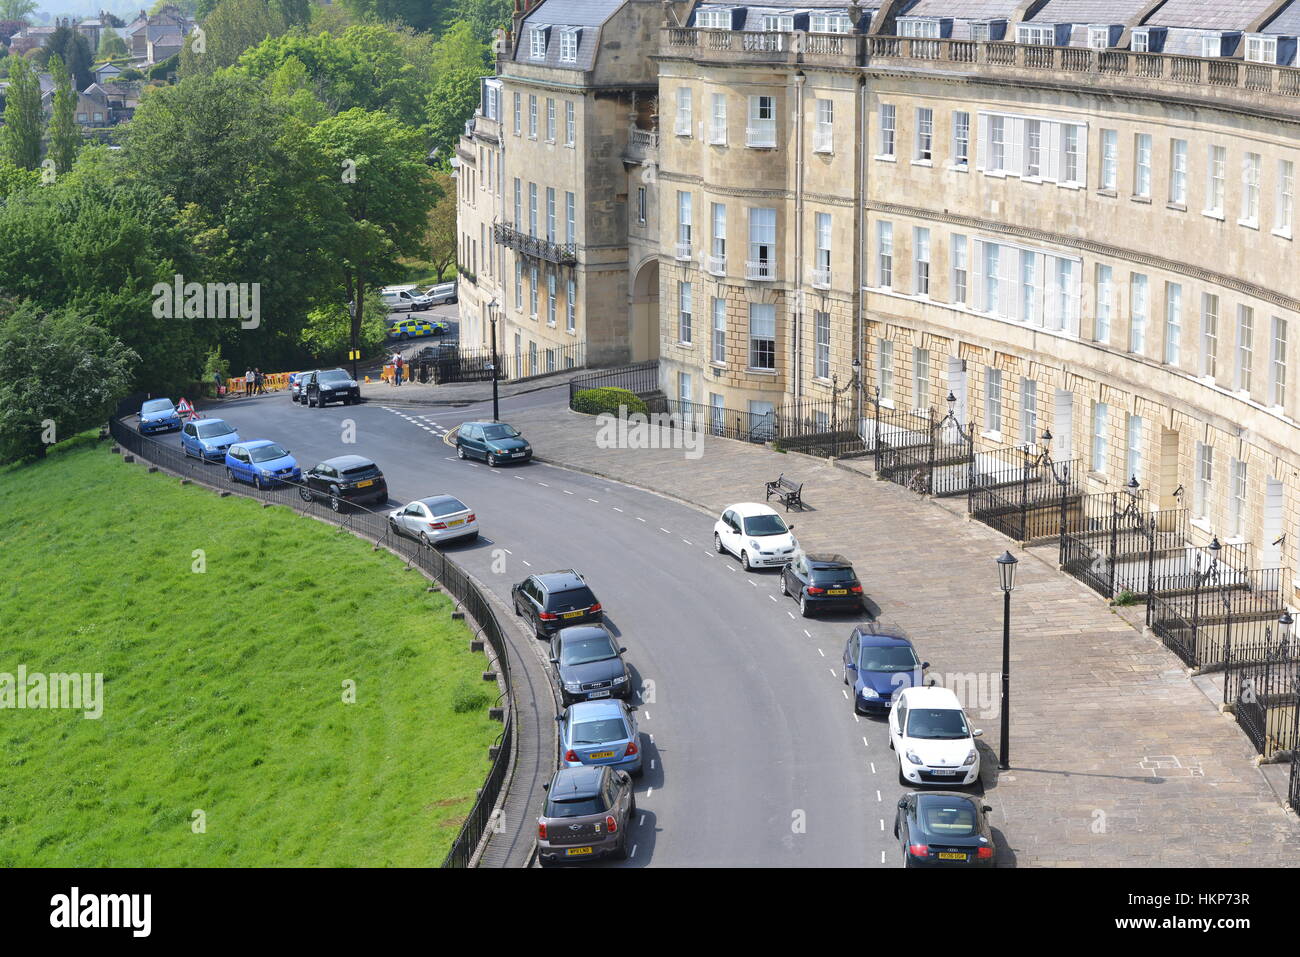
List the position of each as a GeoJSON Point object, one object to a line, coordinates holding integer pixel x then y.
{"type": "Point", "coordinates": [559, 717]}
{"type": "Point", "coordinates": [546, 786]}
{"type": "Point", "coordinates": [622, 651]}
{"type": "Point", "coordinates": [902, 802]}
{"type": "Point", "coordinates": [924, 665]}
{"type": "Point", "coordinates": [986, 808]}
{"type": "Point", "coordinates": [931, 684]}
{"type": "Point", "coordinates": [976, 733]}
{"type": "Point", "coordinates": [554, 661]}
{"type": "Point", "coordinates": [789, 528]}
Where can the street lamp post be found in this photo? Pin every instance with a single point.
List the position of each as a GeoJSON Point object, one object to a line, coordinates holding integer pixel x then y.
{"type": "Point", "coordinates": [1007, 579]}
{"type": "Point", "coordinates": [496, 404]}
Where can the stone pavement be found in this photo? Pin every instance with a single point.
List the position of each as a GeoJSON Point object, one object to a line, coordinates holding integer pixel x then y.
{"type": "Point", "coordinates": [460, 393]}
{"type": "Point", "coordinates": [1117, 757]}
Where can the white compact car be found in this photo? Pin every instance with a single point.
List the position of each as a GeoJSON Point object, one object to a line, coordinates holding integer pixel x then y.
{"type": "Point", "coordinates": [436, 519]}
{"type": "Point", "coordinates": [934, 742]}
{"type": "Point", "coordinates": [755, 534]}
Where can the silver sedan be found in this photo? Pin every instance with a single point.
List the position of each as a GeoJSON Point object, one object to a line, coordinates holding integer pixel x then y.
{"type": "Point", "coordinates": [438, 518]}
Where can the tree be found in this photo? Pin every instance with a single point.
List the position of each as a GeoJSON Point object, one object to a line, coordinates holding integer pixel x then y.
{"type": "Point", "coordinates": [328, 333]}
{"type": "Point", "coordinates": [441, 237]}
{"type": "Point", "coordinates": [378, 213]}
{"type": "Point", "coordinates": [420, 14]}
{"type": "Point", "coordinates": [111, 44]}
{"type": "Point", "coordinates": [65, 136]}
{"type": "Point", "coordinates": [483, 16]}
{"type": "Point", "coordinates": [59, 375]}
{"type": "Point", "coordinates": [17, 9]}
{"type": "Point", "coordinates": [451, 103]}
{"type": "Point", "coordinates": [74, 49]}
{"type": "Point", "coordinates": [21, 135]}
{"type": "Point", "coordinates": [233, 27]}
{"type": "Point", "coordinates": [14, 178]}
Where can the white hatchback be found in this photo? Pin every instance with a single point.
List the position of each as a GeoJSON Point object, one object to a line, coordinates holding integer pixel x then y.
{"type": "Point", "coordinates": [934, 742]}
{"type": "Point", "coordinates": [755, 534]}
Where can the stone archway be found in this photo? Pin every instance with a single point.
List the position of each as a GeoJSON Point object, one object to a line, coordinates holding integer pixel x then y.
{"type": "Point", "coordinates": [644, 313]}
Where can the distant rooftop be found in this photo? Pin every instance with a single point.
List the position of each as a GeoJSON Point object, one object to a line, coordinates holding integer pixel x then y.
{"type": "Point", "coordinates": [1215, 15]}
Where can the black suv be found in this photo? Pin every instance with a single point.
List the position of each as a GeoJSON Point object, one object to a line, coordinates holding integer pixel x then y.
{"type": "Point", "coordinates": [555, 600]}
{"type": "Point", "coordinates": [350, 479]}
{"type": "Point", "coordinates": [330, 385]}
{"type": "Point", "coordinates": [822, 583]}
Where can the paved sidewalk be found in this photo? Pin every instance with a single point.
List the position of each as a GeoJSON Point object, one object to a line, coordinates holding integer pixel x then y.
{"type": "Point", "coordinates": [1117, 757]}
{"type": "Point", "coordinates": [461, 393]}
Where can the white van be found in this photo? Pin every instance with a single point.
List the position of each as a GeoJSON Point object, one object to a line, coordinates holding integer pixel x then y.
{"type": "Point", "coordinates": [442, 292]}
{"type": "Point", "coordinates": [404, 297]}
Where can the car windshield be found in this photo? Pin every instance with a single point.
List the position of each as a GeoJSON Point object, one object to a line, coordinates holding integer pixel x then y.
{"type": "Point", "coordinates": [336, 375]}
{"type": "Point", "coordinates": [445, 506]}
{"type": "Point", "coordinates": [598, 732]}
{"type": "Point", "coordinates": [500, 432]}
{"type": "Point", "coordinates": [575, 807]}
{"type": "Point", "coordinates": [267, 453]}
{"type": "Point", "coordinates": [833, 575]}
{"type": "Point", "coordinates": [582, 650]}
{"type": "Point", "coordinates": [939, 723]}
{"type": "Point", "coordinates": [157, 405]}
{"type": "Point", "coordinates": [209, 430]}
{"type": "Point", "coordinates": [765, 525]}
{"type": "Point", "coordinates": [889, 660]}
{"type": "Point", "coordinates": [947, 818]}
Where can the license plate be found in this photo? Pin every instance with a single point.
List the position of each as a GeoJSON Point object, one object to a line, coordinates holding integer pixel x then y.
{"type": "Point", "coordinates": [838, 591]}
{"type": "Point", "coordinates": [365, 483]}
{"type": "Point", "coordinates": [936, 771]}
{"type": "Point", "coordinates": [597, 755]}
{"type": "Point", "coordinates": [577, 851]}
{"type": "Point", "coordinates": [453, 524]}
{"type": "Point", "coordinates": [517, 454]}
{"type": "Point", "coordinates": [951, 856]}
{"type": "Point", "coordinates": [572, 614]}
{"type": "Point", "coordinates": [600, 694]}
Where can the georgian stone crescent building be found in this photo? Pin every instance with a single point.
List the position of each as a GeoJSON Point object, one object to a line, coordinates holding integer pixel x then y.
{"type": "Point", "coordinates": [1070, 214]}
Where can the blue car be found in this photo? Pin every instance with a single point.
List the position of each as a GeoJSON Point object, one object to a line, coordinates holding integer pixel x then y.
{"type": "Point", "coordinates": [208, 439]}
{"type": "Point", "coordinates": [261, 462]}
{"type": "Point", "coordinates": [878, 666]}
{"type": "Point", "coordinates": [159, 415]}
{"type": "Point", "coordinates": [601, 732]}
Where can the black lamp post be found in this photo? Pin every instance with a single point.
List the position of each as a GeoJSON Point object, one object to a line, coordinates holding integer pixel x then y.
{"type": "Point", "coordinates": [1007, 579]}
{"type": "Point", "coordinates": [496, 405]}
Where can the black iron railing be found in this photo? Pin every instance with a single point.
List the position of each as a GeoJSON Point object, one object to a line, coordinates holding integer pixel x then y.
{"type": "Point", "coordinates": [561, 254]}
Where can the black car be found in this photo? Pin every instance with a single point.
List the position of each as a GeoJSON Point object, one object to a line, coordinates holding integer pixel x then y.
{"type": "Point", "coordinates": [555, 600]}
{"type": "Point", "coordinates": [350, 479]}
{"type": "Point", "coordinates": [330, 385]}
{"type": "Point", "coordinates": [944, 829]}
{"type": "Point", "coordinates": [295, 386]}
{"type": "Point", "coordinates": [822, 583]}
{"type": "Point", "coordinates": [588, 664]}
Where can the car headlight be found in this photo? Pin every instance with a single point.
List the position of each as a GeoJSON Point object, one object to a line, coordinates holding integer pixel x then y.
{"type": "Point", "coordinates": [573, 686]}
{"type": "Point", "coordinates": [621, 679]}
{"type": "Point", "coordinates": [868, 693]}
{"type": "Point", "coordinates": [754, 545]}
{"type": "Point", "coordinates": [911, 756]}
{"type": "Point", "coordinates": [970, 758]}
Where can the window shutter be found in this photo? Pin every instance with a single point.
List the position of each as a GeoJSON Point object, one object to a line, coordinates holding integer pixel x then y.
{"type": "Point", "coordinates": [981, 145]}
{"type": "Point", "coordinates": [1054, 148]}
{"type": "Point", "coordinates": [1083, 156]}
{"type": "Point", "coordinates": [1015, 132]}
{"type": "Point", "coordinates": [975, 272]}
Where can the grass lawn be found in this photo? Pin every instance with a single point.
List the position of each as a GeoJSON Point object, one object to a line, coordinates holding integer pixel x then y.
{"type": "Point", "coordinates": [223, 689]}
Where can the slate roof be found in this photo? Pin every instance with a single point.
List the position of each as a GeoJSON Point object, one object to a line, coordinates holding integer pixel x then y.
{"type": "Point", "coordinates": [1089, 11]}
{"type": "Point", "coordinates": [1286, 23]}
{"type": "Point", "coordinates": [590, 15]}
{"type": "Point", "coordinates": [963, 9]}
{"type": "Point", "coordinates": [1213, 15]}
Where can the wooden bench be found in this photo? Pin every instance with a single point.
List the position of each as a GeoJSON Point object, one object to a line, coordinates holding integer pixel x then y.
{"type": "Point", "coordinates": [787, 492]}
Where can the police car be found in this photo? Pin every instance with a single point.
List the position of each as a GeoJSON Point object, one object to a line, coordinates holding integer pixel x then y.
{"type": "Point", "coordinates": [414, 328]}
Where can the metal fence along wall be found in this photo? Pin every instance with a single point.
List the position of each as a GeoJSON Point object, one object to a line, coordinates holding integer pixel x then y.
{"type": "Point", "coordinates": [475, 365]}
{"type": "Point", "coordinates": [375, 527]}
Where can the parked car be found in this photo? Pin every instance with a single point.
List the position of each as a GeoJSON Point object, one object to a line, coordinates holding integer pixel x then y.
{"type": "Point", "coordinates": [330, 385]}
{"type": "Point", "coordinates": [404, 297]}
{"type": "Point", "coordinates": [944, 829]}
{"type": "Point", "coordinates": [588, 664]}
{"type": "Point", "coordinates": [821, 582]}
{"type": "Point", "coordinates": [414, 328]}
{"type": "Point", "coordinates": [934, 742]}
{"type": "Point", "coordinates": [878, 666]}
{"type": "Point", "coordinates": [207, 439]}
{"type": "Point", "coordinates": [347, 479]}
{"type": "Point", "coordinates": [555, 600]}
{"type": "Point", "coordinates": [443, 292]}
{"type": "Point", "coordinates": [493, 442]}
{"type": "Point", "coordinates": [296, 380]}
{"type": "Point", "coordinates": [600, 733]}
{"type": "Point", "coordinates": [158, 415]}
{"type": "Point", "coordinates": [438, 518]}
{"type": "Point", "coordinates": [262, 462]}
{"type": "Point", "coordinates": [755, 534]}
{"type": "Point", "coordinates": [586, 815]}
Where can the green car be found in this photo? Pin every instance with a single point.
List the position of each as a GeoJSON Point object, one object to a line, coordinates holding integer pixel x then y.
{"type": "Point", "coordinates": [494, 442]}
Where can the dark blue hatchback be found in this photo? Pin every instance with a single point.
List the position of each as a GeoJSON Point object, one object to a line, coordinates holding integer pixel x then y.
{"type": "Point", "coordinates": [878, 666]}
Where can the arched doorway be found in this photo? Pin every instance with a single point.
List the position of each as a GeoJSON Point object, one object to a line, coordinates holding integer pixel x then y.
{"type": "Point", "coordinates": [644, 318]}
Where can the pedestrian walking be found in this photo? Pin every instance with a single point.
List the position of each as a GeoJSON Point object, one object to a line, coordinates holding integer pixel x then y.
{"type": "Point", "coordinates": [257, 382]}
{"type": "Point", "coordinates": [248, 382]}
{"type": "Point", "coordinates": [218, 382]}
{"type": "Point", "coordinates": [397, 368]}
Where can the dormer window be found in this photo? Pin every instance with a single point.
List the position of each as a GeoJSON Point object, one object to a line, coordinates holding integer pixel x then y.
{"type": "Point", "coordinates": [569, 44]}
{"type": "Point", "coordinates": [1212, 45]}
{"type": "Point", "coordinates": [927, 28]}
{"type": "Point", "coordinates": [1099, 37]}
{"type": "Point", "coordinates": [984, 31]}
{"type": "Point", "coordinates": [1039, 36]}
{"type": "Point", "coordinates": [715, 18]}
{"type": "Point", "coordinates": [830, 23]}
{"type": "Point", "coordinates": [778, 23]}
{"type": "Point", "coordinates": [1261, 49]}
{"type": "Point", "coordinates": [537, 42]}
{"type": "Point", "coordinates": [1141, 42]}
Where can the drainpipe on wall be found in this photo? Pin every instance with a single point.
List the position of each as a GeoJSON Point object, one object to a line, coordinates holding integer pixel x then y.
{"type": "Point", "coordinates": [796, 381]}
{"type": "Point", "coordinates": [860, 198]}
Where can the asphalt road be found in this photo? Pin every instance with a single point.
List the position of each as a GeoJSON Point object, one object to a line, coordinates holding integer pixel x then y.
{"type": "Point", "coordinates": [754, 754]}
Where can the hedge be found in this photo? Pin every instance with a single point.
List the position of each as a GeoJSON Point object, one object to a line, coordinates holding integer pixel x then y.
{"type": "Point", "coordinates": [596, 401]}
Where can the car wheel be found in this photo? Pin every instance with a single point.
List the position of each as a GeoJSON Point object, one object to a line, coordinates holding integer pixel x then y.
{"type": "Point", "coordinates": [257, 482]}
{"type": "Point", "coordinates": [902, 780]}
{"type": "Point", "coordinates": [305, 493]}
{"type": "Point", "coordinates": [230, 475]}
{"type": "Point", "coordinates": [803, 606]}
{"type": "Point", "coordinates": [744, 560]}
{"type": "Point", "coordinates": [717, 544]}
{"type": "Point", "coordinates": [891, 744]}
{"type": "Point", "coordinates": [518, 612]}
{"type": "Point", "coordinates": [785, 590]}
{"type": "Point", "coordinates": [631, 808]}
{"type": "Point", "coordinates": [846, 675]}
{"type": "Point", "coordinates": [336, 503]}
{"type": "Point", "coordinates": [460, 452]}
{"type": "Point", "coordinates": [638, 773]}
{"type": "Point", "coordinates": [424, 540]}
{"type": "Point", "coordinates": [491, 460]}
